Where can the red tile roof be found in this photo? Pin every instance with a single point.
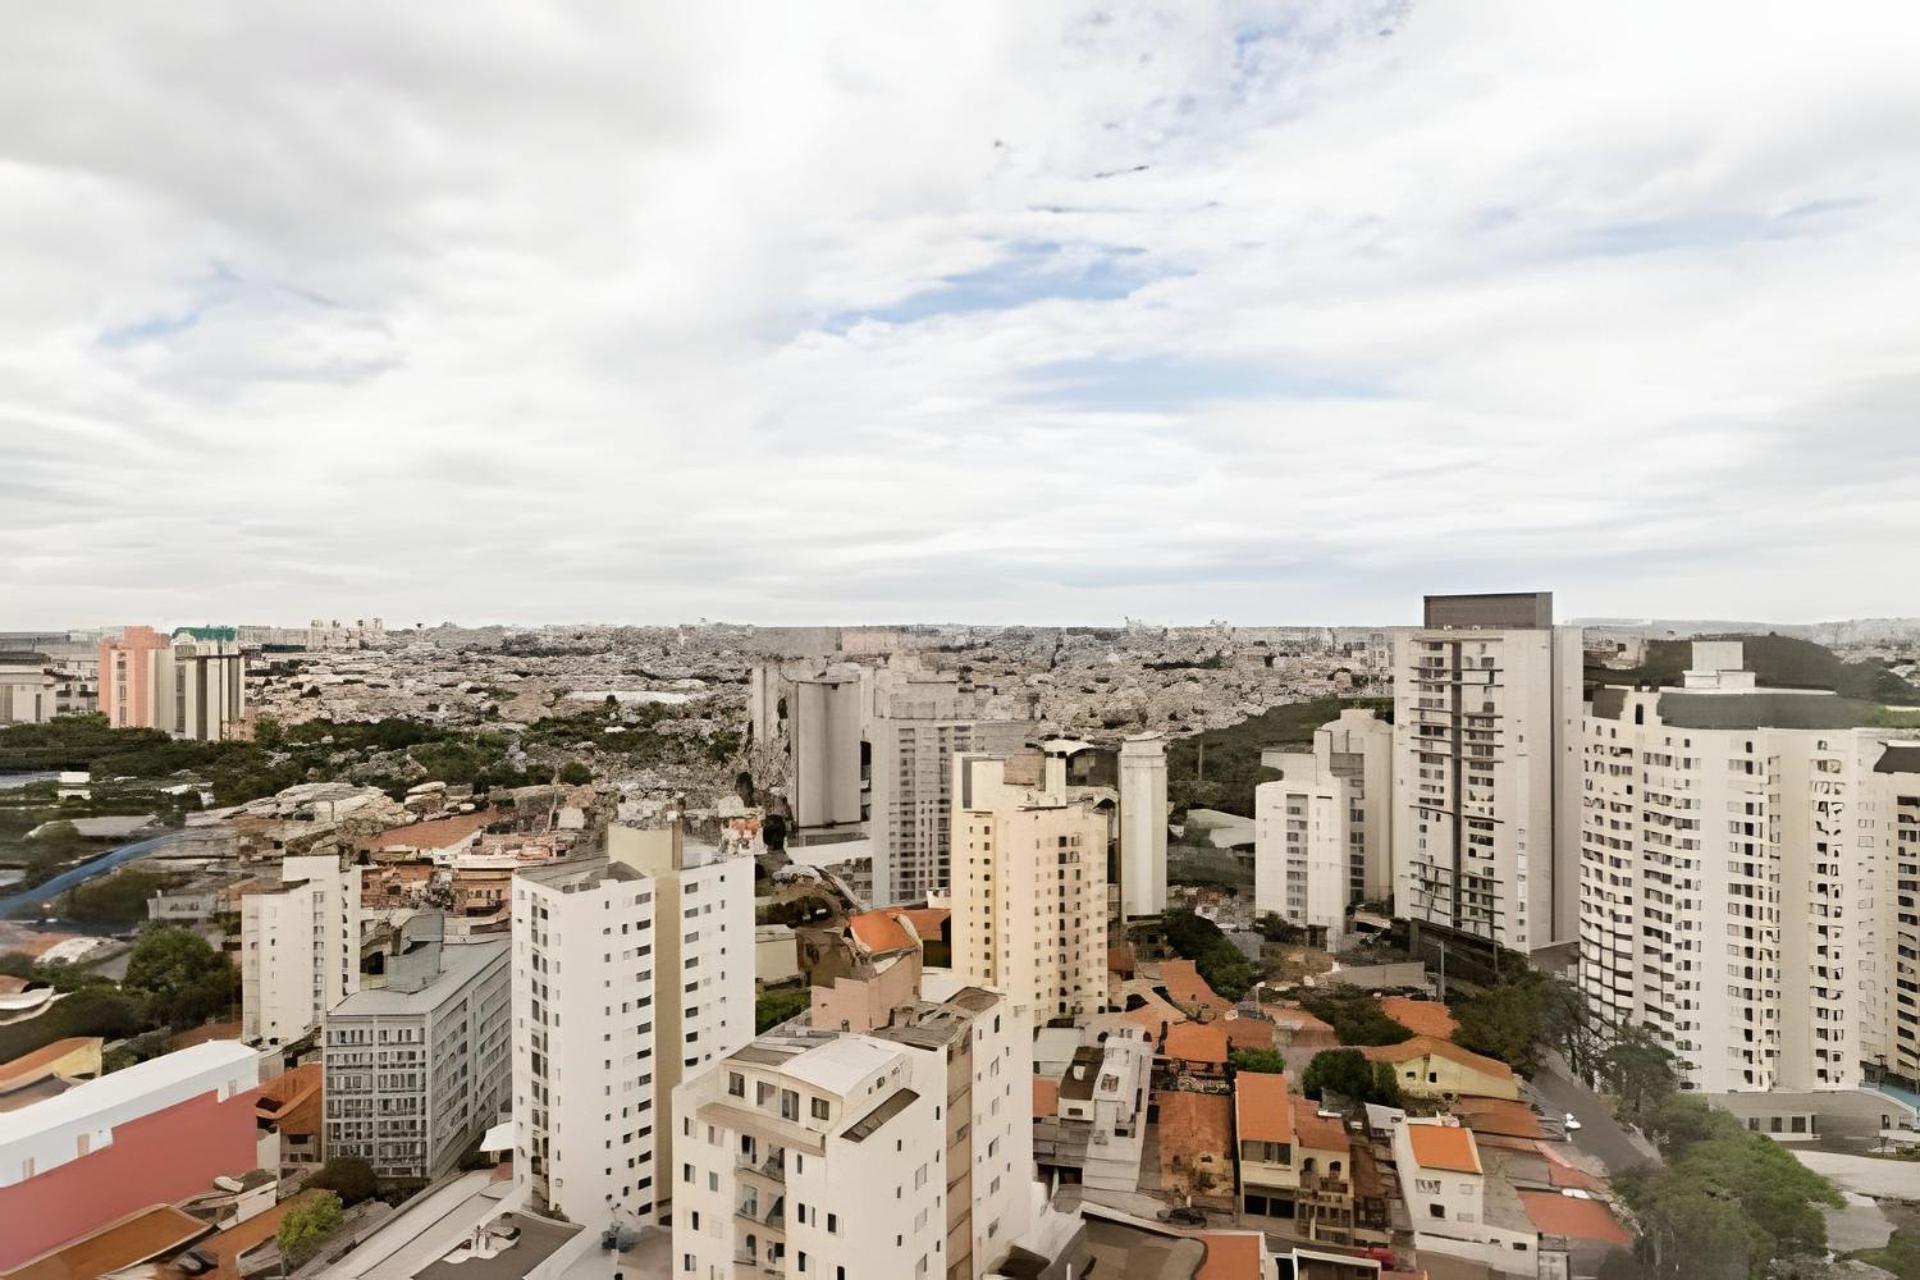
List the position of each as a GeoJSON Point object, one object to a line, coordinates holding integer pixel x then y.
{"type": "Point", "coordinates": [1193, 1125]}
{"type": "Point", "coordinates": [879, 932]}
{"type": "Point", "coordinates": [1261, 1103]}
{"type": "Point", "coordinates": [1231, 1255]}
{"type": "Point", "coordinates": [1422, 1017]}
{"type": "Point", "coordinates": [136, 1237]}
{"type": "Point", "coordinates": [441, 833]}
{"type": "Point", "coordinates": [1575, 1217]}
{"type": "Point", "coordinates": [31, 1067]}
{"type": "Point", "coordinates": [1196, 1042]}
{"type": "Point", "coordinates": [1443, 1147]}
{"type": "Point", "coordinates": [1248, 1033]}
{"type": "Point", "coordinates": [1317, 1132]}
{"type": "Point", "coordinates": [926, 921]}
{"type": "Point", "coordinates": [1498, 1116]}
{"type": "Point", "coordinates": [1186, 987]}
{"type": "Point", "coordinates": [1046, 1097]}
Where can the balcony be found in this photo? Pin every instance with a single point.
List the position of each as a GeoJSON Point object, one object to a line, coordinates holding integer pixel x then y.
{"type": "Point", "coordinates": [772, 1166]}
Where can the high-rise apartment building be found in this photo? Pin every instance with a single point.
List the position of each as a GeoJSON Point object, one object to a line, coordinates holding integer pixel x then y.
{"type": "Point", "coordinates": [905, 1151]}
{"type": "Point", "coordinates": [1738, 884]}
{"type": "Point", "coordinates": [419, 1067]}
{"type": "Point", "coordinates": [299, 949]}
{"type": "Point", "coordinates": [1896, 817]}
{"type": "Point", "coordinates": [1323, 832]}
{"type": "Point", "coordinates": [631, 972]}
{"type": "Point", "coordinates": [1143, 826]}
{"type": "Point", "coordinates": [1487, 706]}
{"type": "Point", "coordinates": [136, 675]}
{"type": "Point", "coordinates": [1029, 886]}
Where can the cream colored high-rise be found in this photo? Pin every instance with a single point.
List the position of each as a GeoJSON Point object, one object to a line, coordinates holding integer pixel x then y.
{"type": "Point", "coordinates": [1737, 875]}
{"type": "Point", "coordinates": [1895, 814]}
{"type": "Point", "coordinates": [1487, 703]}
{"type": "Point", "coordinates": [299, 949]}
{"type": "Point", "coordinates": [1029, 887]}
{"type": "Point", "coordinates": [1323, 832]}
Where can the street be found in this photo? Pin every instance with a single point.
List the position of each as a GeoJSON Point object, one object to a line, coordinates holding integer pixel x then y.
{"type": "Point", "coordinates": [1599, 1133]}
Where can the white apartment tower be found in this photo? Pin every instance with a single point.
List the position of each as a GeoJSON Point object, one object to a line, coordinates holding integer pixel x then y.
{"type": "Point", "coordinates": [1300, 844]}
{"type": "Point", "coordinates": [1487, 705]}
{"type": "Point", "coordinates": [1737, 870]}
{"type": "Point", "coordinates": [1029, 887]}
{"type": "Point", "coordinates": [630, 972]}
{"type": "Point", "coordinates": [1143, 826]}
{"type": "Point", "coordinates": [903, 1152]}
{"type": "Point", "coordinates": [1896, 816]}
{"type": "Point", "coordinates": [299, 949]}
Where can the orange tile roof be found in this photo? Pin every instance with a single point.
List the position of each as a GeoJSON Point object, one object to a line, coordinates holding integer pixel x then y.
{"type": "Point", "coordinates": [1261, 1106]}
{"type": "Point", "coordinates": [1196, 1042]}
{"type": "Point", "coordinates": [140, 1235]}
{"type": "Point", "coordinates": [1231, 1255]}
{"type": "Point", "coordinates": [880, 933]}
{"type": "Point", "coordinates": [1193, 1125]}
{"type": "Point", "coordinates": [1427, 1046]}
{"type": "Point", "coordinates": [1498, 1116]}
{"type": "Point", "coordinates": [1443, 1147]}
{"type": "Point", "coordinates": [926, 921]}
{"type": "Point", "coordinates": [1248, 1033]}
{"type": "Point", "coordinates": [292, 1099]}
{"type": "Point", "coordinates": [440, 833]}
{"type": "Point", "coordinates": [1422, 1017]}
{"type": "Point", "coordinates": [1046, 1097]}
{"type": "Point", "coordinates": [1562, 1172]}
{"type": "Point", "coordinates": [1574, 1217]}
{"type": "Point", "coordinates": [1185, 985]}
{"type": "Point", "coordinates": [31, 1067]}
{"type": "Point", "coordinates": [1317, 1132]}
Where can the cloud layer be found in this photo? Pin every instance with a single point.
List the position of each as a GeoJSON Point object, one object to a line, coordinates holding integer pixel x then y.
{"type": "Point", "coordinates": [1023, 312]}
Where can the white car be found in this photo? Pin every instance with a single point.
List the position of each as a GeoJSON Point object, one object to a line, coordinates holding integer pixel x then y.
{"type": "Point", "coordinates": [1572, 1124]}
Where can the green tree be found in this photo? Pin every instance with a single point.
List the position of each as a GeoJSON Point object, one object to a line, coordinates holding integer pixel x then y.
{"type": "Point", "coordinates": [307, 1225]}
{"type": "Point", "coordinates": [1347, 1072]}
{"type": "Point", "coordinates": [1638, 1070]}
{"type": "Point", "coordinates": [349, 1177]}
{"type": "Point", "coordinates": [771, 1008]}
{"type": "Point", "coordinates": [1264, 1061]}
{"type": "Point", "coordinates": [185, 980]}
{"type": "Point", "coordinates": [1225, 968]}
{"type": "Point", "coordinates": [576, 774]}
{"type": "Point", "coordinates": [1354, 1015]}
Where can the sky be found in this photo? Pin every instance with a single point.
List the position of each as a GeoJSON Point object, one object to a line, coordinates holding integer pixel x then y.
{"type": "Point", "coordinates": [1022, 312]}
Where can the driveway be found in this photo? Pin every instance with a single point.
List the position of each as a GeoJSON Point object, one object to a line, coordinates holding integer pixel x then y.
{"type": "Point", "coordinates": [1599, 1134]}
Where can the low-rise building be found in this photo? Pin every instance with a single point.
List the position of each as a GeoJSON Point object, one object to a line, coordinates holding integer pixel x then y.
{"type": "Point", "coordinates": [1454, 1207]}
{"type": "Point", "coordinates": [1428, 1068]}
{"type": "Point", "coordinates": [1295, 1164]}
{"type": "Point", "coordinates": [1090, 1119]}
{"type": "Point", "coordinates": [156, 1132]}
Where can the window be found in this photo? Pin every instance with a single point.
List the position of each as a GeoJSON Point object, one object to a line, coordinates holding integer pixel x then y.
{"type": "Point", "coordinates": [736, 1084]}
{"type": "Point", "coordinates": [789, 1104]}
{"type": "Point", "coordinates": [820, 1108]}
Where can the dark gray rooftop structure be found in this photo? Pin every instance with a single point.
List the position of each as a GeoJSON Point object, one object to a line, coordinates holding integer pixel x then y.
{"type": "Point", "coordinates": [1499, 610]}
{"type": "Point", "coordinates": [1899, 757]}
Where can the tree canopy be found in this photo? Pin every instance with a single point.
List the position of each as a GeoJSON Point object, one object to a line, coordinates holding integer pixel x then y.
{"type": "Point", "coordinates": [306, 1225]}
{"type": "Point", "coordinates": [1354, 1015]}
{"type": "Point", "coordinates": [1264, 1061]}
{"type": "Point", "coordinates": [1224, 966]}
{"type": "Point", "coordinates": [1347, 1072]}
{"type": "Point", "coordinates": [185, 980]}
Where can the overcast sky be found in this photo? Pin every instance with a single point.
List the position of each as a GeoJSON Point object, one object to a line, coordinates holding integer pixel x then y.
{"type": "Point", "coordinates": [975, 312]}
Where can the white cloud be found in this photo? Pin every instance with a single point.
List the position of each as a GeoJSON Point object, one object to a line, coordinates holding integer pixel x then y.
{"type": "Point", "coordinates": [822, 313]}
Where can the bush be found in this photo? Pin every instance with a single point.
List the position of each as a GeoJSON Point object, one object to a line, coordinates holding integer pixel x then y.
{"type": "Point", "coordinates": [307, 1225]}
{"type": "Point", "coordinates": [1222, 964]}
{"type": "Point", "coordinates": [185, 980]}
{"type": "Point", "coordinates": [1263, 1061]}
{"type": "Point", "coordinates": [349, 1177]}
{"type": "Point", "coordinates": [576, 774]}
{"type": "Point", "coordinates": [1348, 1073]}
{"type": "Point", "coordinates": [1355, 1016]}
{"type": "Point", "coordinates": [771, 1008]}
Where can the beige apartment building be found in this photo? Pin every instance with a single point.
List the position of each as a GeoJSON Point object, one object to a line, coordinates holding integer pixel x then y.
{"type": "Point", "coordinates": [1323, 832]}
{"type": "Point", "coordinates": [1029, 886]}
{"type": "Point", "coordinates": [1487, 707]}
{"type": "Point", "coordinates": [1739, 885]}
{"type": "Point", "coordinates": [1895, 813]}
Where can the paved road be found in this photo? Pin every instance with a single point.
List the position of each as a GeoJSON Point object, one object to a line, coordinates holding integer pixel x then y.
{"type": "Point", "coordinates": [1599, 1134]}
{"type": "Point", "coordinates": [1868, 1175]}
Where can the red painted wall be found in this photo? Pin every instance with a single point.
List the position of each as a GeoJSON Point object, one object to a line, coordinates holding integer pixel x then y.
{"type": "Point", "coordinates": [159, 1158]}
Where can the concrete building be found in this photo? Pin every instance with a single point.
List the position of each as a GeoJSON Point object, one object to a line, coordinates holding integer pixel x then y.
{"type": "Point", "coordinates": [1896, 816]}
{"type": "Point", "coordinates": [135, 678]}
{"type": "Point", "coordinates": [905, 1151]}
{"type": "Point", "coordinates": [1455, 1207]}
{"type": "Point", "coordinates": [1029, 887]}
{"type": "Point", "coordinates": [299, 949]}
{"type": "Point", "coordinates": [1300, 845]}
{"type": "Point", "coordinates": [208, 685]}
{"type": "Point", "coordinates": [28, 687]}
{"type": "Point", "coordinates": [1487, 706]}
{"type": "Point", "coordinates": [418, 1068]}
{"type": "Point", "coordinates": [156, 1132]}
{"type": "Point", "coordinates": [1091, 1104]}
{"type": "Point", "coordinates": [1739, 890]}
{"type": "Point", "coordinates": [1143, 825]}
{"type": "Point", "coordinates": [631, 972]}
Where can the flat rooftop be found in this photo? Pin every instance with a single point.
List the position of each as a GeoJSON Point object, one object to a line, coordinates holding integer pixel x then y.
{"type": "Point", "coordinates": [461, 963]}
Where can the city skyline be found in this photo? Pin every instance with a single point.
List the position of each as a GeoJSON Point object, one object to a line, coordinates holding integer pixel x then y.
{"type": "Point", "coordinates": [1057, 315]}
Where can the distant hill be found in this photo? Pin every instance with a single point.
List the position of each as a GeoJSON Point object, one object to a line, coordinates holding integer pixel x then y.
{"type": "Point", "coordinates": [1232, 755]}
{"type": "Point", "coordinates": [1778, 662]}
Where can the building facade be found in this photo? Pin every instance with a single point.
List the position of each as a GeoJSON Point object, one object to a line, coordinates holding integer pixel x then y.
{"type": "Point", "coordinates": [1896, 815]}
{"type": "Point", "coordinates": [1739, 889]}
{"type": "Point", "coordinates": [1143, 826]}
{"type": "Point", "coordinates": [419, 1068]}
{"type": "Point", "coordinates": [1300, 844]}
{"type": "Point", "coordinates": [1029, 888]}
{"type": "Point", "coordinates": [631, 972]}
{"type": "Point", "coordinates": [133, 667]}
{"type": "Point", "coordinates": [29, 691]}
{"type": "Point", "coordinates": [1487, 706]}
{"type": "Point", "coordinates": [299, 949]}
